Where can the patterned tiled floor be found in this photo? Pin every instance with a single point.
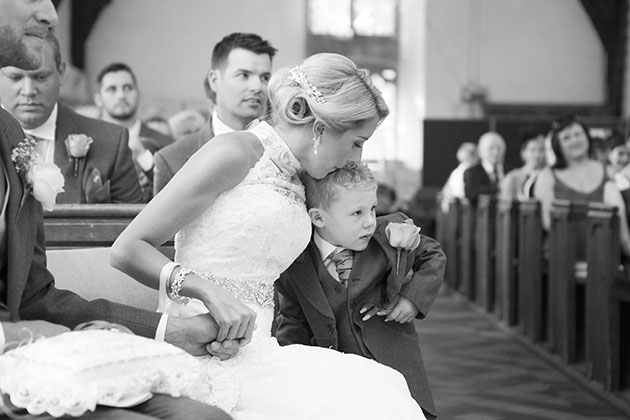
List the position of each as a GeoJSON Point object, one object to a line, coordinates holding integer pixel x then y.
{"type": "Point", "coordinates": [479, 371]}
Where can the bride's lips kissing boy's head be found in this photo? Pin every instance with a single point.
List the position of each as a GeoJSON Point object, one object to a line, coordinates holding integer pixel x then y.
{"type": "Point", "coordinates": [334, 150]}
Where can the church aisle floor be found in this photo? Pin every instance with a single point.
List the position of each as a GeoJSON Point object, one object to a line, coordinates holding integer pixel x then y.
{"type": "Point", "coordinates": [479, 371]}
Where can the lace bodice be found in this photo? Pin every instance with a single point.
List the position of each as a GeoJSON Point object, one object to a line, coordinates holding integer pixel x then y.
{"type": "Point", "coordinates": [254, 231]}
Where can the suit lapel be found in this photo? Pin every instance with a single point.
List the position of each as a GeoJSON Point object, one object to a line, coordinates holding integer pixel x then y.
{"type": "Point", "coordinates": [72, 188]}
{"type": "Point", "coordinates": [18, 187]}
{"type": "Point", "coordinates": [20, 235]}
{"type": "Point", "coordinates": [310, 287]}
{"type": "Point", "coordinates": [367, 266]}
{"type": "Point", "coordinates": [485, 178]}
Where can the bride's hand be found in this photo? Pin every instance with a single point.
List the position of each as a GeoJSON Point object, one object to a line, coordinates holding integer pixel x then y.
{"type": "Point", "coordinates": [236, 320]}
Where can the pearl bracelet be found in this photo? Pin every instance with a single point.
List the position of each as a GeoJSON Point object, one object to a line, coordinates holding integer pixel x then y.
{"type": "Point", "coordinates": [175, 286]}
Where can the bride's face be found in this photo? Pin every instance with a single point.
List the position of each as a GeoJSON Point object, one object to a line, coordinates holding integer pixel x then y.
{"type": "Point", "coordinates": [335, 150]}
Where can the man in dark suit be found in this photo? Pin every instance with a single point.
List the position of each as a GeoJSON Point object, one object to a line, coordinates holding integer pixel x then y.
{"type": "Point", "coordinates": [237, 84]}
{"type": "Point", "coordinates": [485, 177]}
{"type": "Point", "coordinates": [118, 98]}
{"type": "Point", "coordinates": [27, 291]}
{"type": "Point", "coordinates": [106, 173]}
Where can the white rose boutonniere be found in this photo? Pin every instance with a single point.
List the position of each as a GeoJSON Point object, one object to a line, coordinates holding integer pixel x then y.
{"type": "Point", "coordinates": [78, 146]}
{"type": "Point", "coordinates": [44, 180]}
{"type": "Point", "coordinates": [403, 236]}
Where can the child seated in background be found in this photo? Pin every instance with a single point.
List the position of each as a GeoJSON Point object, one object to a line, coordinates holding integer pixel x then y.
{"type": "Point", "coordinates": [362, 280]}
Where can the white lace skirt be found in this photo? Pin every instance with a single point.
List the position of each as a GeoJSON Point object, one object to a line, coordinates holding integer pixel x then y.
{"type": "Point", "coordinates": [268, 382]}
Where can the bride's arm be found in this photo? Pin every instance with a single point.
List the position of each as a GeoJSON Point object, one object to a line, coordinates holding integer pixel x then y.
{"type": "Point", "coordinates": [218, 166]}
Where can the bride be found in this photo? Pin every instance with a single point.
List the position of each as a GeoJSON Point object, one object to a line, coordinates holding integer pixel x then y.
{"type": "Point", "coordinates": [238, 215]}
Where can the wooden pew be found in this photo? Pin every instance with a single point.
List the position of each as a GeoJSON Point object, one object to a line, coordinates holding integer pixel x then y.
{"type": "Point", "coordinates": [485, 228]}
{"type": "Point", "coordinates": [531, 302]}
{"type": "Point", "coordinates": [451, 246]}
{"type": "Point", "coordinates": [90, 225]}
{"type": "Point", "coordinates": [78, 237]}
{"type": "Point", "coordinates": [87, 225]}
{"type": "Point", "coordinates": [567, 278]}
{"type": "Point", "coordinates": [607, 293]}
{"type": "Point", "coordinates": [440, 220]}
{"type": "Point", "coordinates": [506, 268]}
{"type": "Point", "coordinates": [466, 228]}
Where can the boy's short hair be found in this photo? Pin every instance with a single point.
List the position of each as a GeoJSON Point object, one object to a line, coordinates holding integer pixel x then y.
{"type": "Point", "coordinates": [353, 176]}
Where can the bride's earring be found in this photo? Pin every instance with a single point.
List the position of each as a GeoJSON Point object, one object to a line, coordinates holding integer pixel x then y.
{"type": "Point", "coordinates": [316, 142]}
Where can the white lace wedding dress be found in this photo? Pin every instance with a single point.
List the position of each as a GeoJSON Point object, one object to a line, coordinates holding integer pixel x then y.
{"type": "Point", "coordinates": [248, 236]}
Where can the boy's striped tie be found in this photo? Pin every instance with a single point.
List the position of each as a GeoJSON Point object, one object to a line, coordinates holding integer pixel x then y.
{"type": "Point", "coordinates": [343, 259]}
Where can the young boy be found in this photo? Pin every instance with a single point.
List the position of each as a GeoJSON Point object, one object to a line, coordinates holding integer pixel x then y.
{"type": "Point", "coordinates": [361, 299]}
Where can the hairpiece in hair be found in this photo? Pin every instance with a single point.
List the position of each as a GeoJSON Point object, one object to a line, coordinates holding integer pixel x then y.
{"type": "Point", "coordinates": [300, 78]}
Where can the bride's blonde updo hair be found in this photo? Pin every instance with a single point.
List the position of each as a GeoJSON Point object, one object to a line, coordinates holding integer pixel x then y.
{"type": "Point", "coordinates": [328, 88]}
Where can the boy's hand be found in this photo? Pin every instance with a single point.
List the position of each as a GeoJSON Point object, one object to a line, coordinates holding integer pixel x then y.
{"type": "Point", "coordinates": [401, 310]}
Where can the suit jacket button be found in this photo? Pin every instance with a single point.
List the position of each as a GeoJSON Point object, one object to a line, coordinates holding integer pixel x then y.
{"type": "Point", "coordinates": [338, 289]}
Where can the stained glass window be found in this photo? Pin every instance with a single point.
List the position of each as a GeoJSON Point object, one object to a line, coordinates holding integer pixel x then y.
{"type": "Point", "coordinates": [374, 17]}
{"type": "Point", "coordinates": [330, 17]}
{"type": "Point", "coordinates": [346, 18]}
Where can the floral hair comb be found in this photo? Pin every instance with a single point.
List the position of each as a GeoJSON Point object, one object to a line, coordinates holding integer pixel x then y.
{"type": "Point", "coordinates": [312, 91]}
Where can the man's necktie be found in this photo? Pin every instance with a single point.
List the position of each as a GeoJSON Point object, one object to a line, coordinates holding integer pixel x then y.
{"type": "Point", "coordinates": [495, 175]}
{"type": "Point", "coordinates": [343, 259]}
{"type": "Point", "coordinates": [41, 147]}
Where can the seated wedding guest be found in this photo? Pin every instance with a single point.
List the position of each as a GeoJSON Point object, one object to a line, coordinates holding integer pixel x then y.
{"type": "Point", "coordinates": [159, 124]}
{"type": "Point", "coordinates": [386, 199]}
{"type": "Point", "coordinates": [599, 149]}
{"type": "Point", "coordinates": [618, 160]}
{"type": "Point", "coordinates": [118, 98]}
{"type": "Point", "coordinates": [185, 122]}
{"type": "Point", "coordinates": [577, 177]}
{"type": "Point", "coordinates": [454, 186]}
{"type": "Point", "coordinates": [349, 243]}
{"type": "Point", "coordinates": [237, 84]}
{"type": "Point", "coordinates": [27, 291]}
{"type": "Point", "coordinates": [485, 177]}
{"type": "Point", "coordinates": [518, 183]}
{"type": "Point", "coordinates": [93, 155]}
{"type": "Point", "coordinates": [550, 156]}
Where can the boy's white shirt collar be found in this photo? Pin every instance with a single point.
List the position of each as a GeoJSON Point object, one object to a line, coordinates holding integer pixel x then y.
{"type": "Point", "coordinates": [324, 247]}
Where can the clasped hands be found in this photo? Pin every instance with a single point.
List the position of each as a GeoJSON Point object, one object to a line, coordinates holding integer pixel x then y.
{"type": "Point", "coordinates": [402, 310]}
{"type": "Point", "coordinates": [228, 326]}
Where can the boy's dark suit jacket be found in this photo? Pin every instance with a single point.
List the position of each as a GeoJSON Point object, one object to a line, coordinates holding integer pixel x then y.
{"type": "Point", "coordinates": [106, 174]}
{"type": "Point", "coordinates": [477, 182]}
{"type": "Point", "coordinates": [304, 315]}
{"type": "Point", "coordinates": [171, 158]}
{"type": "Point", "coordinates": [27, 289]}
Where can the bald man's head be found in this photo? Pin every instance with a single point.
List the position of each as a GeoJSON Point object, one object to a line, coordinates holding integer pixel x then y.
{"type": "Point", "coordinates": [491, 148]}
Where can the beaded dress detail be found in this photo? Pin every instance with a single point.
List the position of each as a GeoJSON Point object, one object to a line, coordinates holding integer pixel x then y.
{"type": "Point", "coordinates": [243, 242]}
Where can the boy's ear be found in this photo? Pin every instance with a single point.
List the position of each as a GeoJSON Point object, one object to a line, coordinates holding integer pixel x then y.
{"type": "Point", "coordinates": [316, 217]}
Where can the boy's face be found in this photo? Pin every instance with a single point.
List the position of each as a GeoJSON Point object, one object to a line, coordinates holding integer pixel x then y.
{"type": "Point", "coordinates": [350, 219]}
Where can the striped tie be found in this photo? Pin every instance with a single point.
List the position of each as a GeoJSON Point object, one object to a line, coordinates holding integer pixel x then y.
{"type": "Point", "coordinates": [41, 147]}
{"type": "Point", "coordinates": [343, 259]}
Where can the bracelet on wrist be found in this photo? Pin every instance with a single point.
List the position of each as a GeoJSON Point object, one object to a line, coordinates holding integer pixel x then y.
{"type": "Point", "coordinates": [175, 286]}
